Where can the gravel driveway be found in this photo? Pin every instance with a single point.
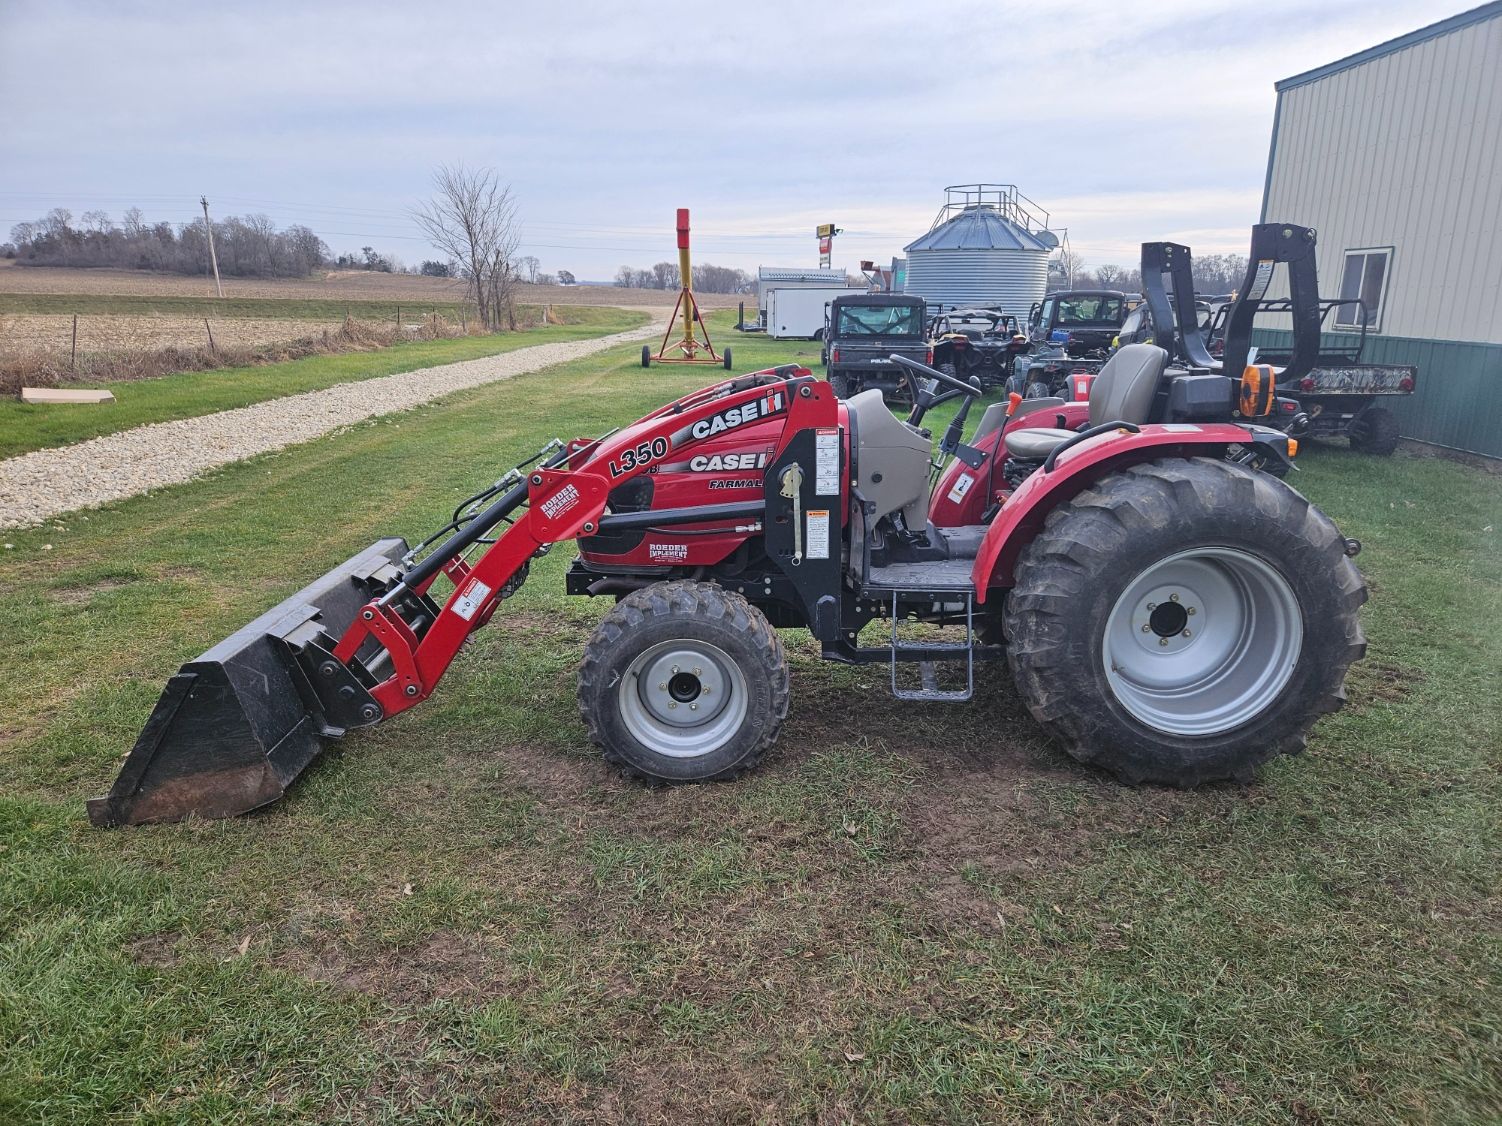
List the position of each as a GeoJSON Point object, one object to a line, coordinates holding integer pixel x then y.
{"type": "Point", "coordinates": [37, 486]}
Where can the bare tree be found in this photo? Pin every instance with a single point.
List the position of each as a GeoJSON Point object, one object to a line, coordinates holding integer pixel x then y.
{"type": "Point", "coordinates": [665, 276]}
{"type": "Point", "coordinates": [472, 219]}
{"type": "Point", "coordinates": [527, 266]}
{"type": "Point", "coordinates": [1110, 277]}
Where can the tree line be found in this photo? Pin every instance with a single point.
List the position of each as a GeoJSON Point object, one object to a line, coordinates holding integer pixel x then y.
{"type": "Point", "coordinates": [248, 247]}
{"type": "Point", "coordinates": [665, 275]}
{"type": "Point", "coordinates": [1212, 273]}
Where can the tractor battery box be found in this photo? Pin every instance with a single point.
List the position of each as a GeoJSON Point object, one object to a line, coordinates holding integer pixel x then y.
{"type": "Point", "coordinates": [1200, 398]}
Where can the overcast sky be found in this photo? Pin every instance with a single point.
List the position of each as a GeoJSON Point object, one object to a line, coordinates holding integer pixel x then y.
{"type": "Point", "coordinates": [1125, 121]}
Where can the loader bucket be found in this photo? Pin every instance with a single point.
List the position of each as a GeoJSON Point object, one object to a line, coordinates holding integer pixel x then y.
{"type": "Point", "coordinates": [235, 726]}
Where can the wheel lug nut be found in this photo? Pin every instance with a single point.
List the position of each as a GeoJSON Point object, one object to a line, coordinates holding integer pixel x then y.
{"type": "Point", "coordinates": [1173, 598]}
{"type": "Point", "coordinates": [698, 672]}
{"type": "Point", "coordinates": [663, 686]}
{"type": "Point", "coordinates": [1162, 641]}
{"type": "Point", "coordinates": [693, 707]}
{"type": "Point", "coordinates": [675, 668]}
{"type": "Point", "coordinates": [1146, 628]}
{"type": "Point", "coordinates": [675, 705]}
{"type": "Point", "coordinates": [1190, 611]}
{"type": "Point", "coordinates": [1186, 633]}
{"type": "Point", "coordinates": [705, 690]}
{"type": "Point", "coordinates": [1152, 606]}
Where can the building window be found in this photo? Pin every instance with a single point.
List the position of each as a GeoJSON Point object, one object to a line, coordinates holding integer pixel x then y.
{"type": "Point", "coordinates": [1364, 280]}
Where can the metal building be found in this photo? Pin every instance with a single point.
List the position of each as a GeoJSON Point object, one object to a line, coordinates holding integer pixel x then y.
{"type": "Point", "coordinates": [989, 245]}
{"type": "Point", "coordinates": [1394, 155]}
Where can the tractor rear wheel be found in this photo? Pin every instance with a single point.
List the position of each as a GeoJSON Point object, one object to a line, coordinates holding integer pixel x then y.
{"type": "Point", "coordinates": [1375, 431]}
{"type": "Point", "coordinates": [684, 682]}
{"type": "Point", "coordinates": [1183, 621]}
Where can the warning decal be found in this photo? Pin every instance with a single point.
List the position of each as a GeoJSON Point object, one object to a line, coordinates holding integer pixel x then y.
{"type": "Point", "coordinates": [961, 487]}
{"type": "Point", "coordinates": [1262, 280]}
{"type": "Point", "coordinates": [817, 539]}
{"type": "Point", "coordinates": [827, 463]}
{"type": "Point", "coordinates": [471, 599]}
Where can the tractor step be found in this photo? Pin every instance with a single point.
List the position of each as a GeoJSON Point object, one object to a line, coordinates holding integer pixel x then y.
{"type": "Point", "coordinates": [942, 650]}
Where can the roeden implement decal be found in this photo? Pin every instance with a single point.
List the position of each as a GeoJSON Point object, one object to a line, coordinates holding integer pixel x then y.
{"type": "Point", "coordinates": [769, 404]}
{"type": "Point", "coordinates": [722, 463]}
{"type": "Point", "coordinates": [635, 458]}
{"type": "Point", "coordinates": [560, 502]}
{"type": "Point", "coordinates": [667, 552]}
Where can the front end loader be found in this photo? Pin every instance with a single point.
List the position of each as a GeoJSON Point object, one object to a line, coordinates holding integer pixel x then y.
{"type": "Point", "coordinates": [1168, 614]}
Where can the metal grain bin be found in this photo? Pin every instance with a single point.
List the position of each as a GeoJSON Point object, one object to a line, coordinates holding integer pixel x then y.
{"type": "Point", "coordinates": [989, 245]}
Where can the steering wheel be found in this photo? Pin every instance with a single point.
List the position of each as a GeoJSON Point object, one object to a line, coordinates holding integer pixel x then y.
{"type": "Point", "coordinates": [924, 399]}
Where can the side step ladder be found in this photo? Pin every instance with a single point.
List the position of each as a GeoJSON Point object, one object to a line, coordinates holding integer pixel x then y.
{"type": "Point", "coordinates": [914, 651]}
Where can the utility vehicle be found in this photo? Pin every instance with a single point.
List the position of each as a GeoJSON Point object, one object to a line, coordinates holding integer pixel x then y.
{"type": "Point", "coordinates": [861, 335]}
{"type": "Point", "coordinates": [1331, 390]}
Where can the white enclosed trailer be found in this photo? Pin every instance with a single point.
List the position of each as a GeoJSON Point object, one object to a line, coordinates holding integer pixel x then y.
{"type": "Point", "coordinates": [798, 314]}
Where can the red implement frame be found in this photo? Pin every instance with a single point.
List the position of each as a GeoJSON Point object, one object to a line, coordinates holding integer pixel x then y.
{"type": "Point", "coordinates": [562, 504]}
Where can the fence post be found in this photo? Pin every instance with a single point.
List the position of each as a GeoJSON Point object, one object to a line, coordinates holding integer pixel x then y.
{"type": "Point", "coordinates": [73, 351]}
{"type": "Point", "coordinates": [398, 318]}
{"type": "Point", "coordinates": [211, 336]}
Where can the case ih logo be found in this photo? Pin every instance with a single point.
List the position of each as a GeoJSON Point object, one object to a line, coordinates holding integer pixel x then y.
{"type": "Point", "coordinates": [722, 463]}
{"type": "Point", "coordinates": [560, 502]}
{"type": "Point", "coordinates": [769, 404]}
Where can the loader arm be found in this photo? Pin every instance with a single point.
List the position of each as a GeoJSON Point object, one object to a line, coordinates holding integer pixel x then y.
{"type": "Point", "coordinates": [369, 639]}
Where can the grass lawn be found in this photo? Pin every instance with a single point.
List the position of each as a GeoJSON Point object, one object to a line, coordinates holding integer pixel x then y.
{"type": "Point", "coordinates": [908, 913]}
{"type": "Point", "coordinates": [34, 426]}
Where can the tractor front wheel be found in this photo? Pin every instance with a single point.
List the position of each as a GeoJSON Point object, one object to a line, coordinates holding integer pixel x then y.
{"type": "Point", "coordinates": [1183, 621]}
{"type": "Point", "coordinates": [684, 682]}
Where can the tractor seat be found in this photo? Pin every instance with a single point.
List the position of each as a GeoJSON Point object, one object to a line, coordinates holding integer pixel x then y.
{"type": "Point", "coordinates": [1122, 392]}
{"type": "Point", "coordinates": [1034, 443]}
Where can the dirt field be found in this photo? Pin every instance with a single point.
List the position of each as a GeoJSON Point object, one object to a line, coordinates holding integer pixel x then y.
{"type": "Point", "coordinates": [103, 333]}
{"type": "Point", "coordinates": [333, 285]}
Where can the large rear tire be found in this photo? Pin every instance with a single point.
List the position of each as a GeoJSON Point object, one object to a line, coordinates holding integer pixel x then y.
{"type": "Point", "coordinates": [1375, 431]}
{"type": "Point", "coordinates": [1184, 621]}
{"type": "Point", "coordinates": [684, 682]}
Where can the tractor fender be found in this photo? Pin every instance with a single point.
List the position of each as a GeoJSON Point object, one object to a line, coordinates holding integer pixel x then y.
{"type": "Point", "coordinates": [1023, 514]}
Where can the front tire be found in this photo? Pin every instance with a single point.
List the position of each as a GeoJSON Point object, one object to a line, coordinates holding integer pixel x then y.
{"type": "Point", "coordinates": [1183, 621]}
{"type": "Point", "coordinates": [684, 682]}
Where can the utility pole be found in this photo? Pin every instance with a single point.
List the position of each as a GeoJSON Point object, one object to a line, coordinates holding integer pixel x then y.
{"type": "Point", "coordinates": [214, 258]}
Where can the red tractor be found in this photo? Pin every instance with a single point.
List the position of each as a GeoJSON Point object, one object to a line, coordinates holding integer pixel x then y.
{"type": "Point", "coordinates": [1169, 614]}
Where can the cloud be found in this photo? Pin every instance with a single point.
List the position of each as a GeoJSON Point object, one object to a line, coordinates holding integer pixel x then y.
{"type": "Point", "coordinates": [1125, 123]}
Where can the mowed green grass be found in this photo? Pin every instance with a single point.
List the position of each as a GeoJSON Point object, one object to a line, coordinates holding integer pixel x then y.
{"type": "Point", "coordinates": [34, 426]}
{"type": "Point", "coordinates": [908, 913]}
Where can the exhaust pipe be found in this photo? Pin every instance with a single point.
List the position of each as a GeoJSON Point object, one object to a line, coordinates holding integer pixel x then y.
{"type": "Point", "coordinates": [236, 725]}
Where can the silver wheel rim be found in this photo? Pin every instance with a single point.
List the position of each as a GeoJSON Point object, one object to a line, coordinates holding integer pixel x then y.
{"type": "Point", "coordinates": [1202, 641]}
{"type": "Point", "coordinates": [683, 699]}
